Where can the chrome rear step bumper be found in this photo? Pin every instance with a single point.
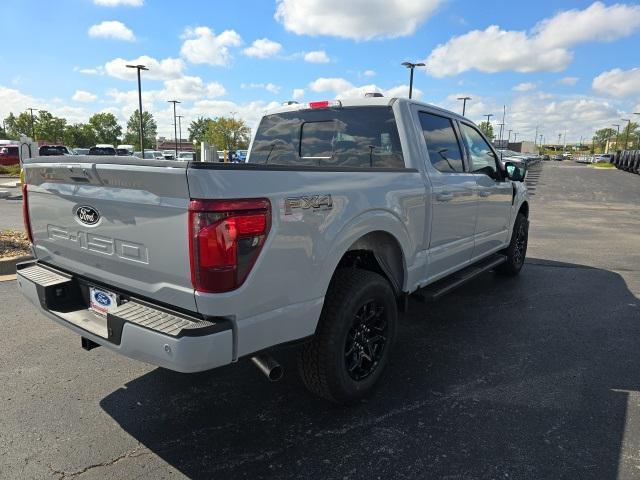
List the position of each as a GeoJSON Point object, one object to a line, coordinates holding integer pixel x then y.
{"type": "Point", "coordinates": [137, 329]}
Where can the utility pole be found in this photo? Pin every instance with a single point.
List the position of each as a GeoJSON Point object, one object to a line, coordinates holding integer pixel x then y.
{"type": "Point", "coordinates": [515, 136]}
{"type": "Point", "coordinates": [509, 139]}
{"type": "Point", "coordinates": [138, 68]}
{"type": "Point", "coordinates": [559, 138]}
{"type": "Point", "coordinates": [564, 146]}
{"type": "Point", "coordinates": [617, 125]}
{"type": "Point", "coordinates": [175, 125]}
{"type": "Point", "coordinates": [33, 131]}
{"type": "Point", "coordinates": [626, 136]}
{"type": "Point", "coordinates": [541, 143]}
{"type": "Point", "coordinates": [504, 113]}
{"type": "Point", "coordinates": [638, 136]}
{"type": "Point", "coordinates": [489, 115]}
{"type": "Point", "coordinates": [464, 103]}
{"type": "Point", "coordinates": [180, 117]}
{"type": "Point", "coordinates": [535, 138]}
{"type": "Point", "coordinates": [501, 125]}
{"type": "Point", "coordinates": [411, 66]}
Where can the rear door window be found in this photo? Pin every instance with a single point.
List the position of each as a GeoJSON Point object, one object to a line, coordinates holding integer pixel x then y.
{"type": "Point", "coordinates": [442, 143]}
{"type": "Point", "coordinates": [357, 137]}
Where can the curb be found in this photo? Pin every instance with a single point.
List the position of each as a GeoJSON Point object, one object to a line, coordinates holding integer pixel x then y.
{"type": "Point", "coordinates": [8, 265]}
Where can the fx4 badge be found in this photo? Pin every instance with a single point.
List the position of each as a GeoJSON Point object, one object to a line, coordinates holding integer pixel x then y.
{"type": "Point", "coordinates": [315, 202]}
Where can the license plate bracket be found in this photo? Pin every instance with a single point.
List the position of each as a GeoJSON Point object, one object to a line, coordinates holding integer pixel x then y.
{"type": "Point", "coordinates": [102, 301]}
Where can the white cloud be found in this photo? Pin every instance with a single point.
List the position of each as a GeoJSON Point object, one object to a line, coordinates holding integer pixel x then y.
{"type": "Point", "coordinates": [165, 69]}
{"type": "Point", "coordinates": [545, 48]}
{"type": "Point", "coordinates": [297, 93]}
{"type": "Point", "coordinates": [356, 19]}
{"type": "Point", "coordinates": [269, 87]}
{"type": "Point", "coordinates": [317, 56]}
{"type": "Point", "coordinates": [524, 87]}
{"type": "Point", "coordinates": [618, 83]}
{"type": "Point", "coordinates": [83, 96]}
{"type": "Point", "coordinates": [369, 73]}
{"type": "Point", "coordinates": [345, 89]}
{"type": "Point", "coordinates": [263, 48]}
{"type": "Point", "coordinates": [569, 81]}
{"type": "Point", "coordinates": [201, 45]}
{"type": "Point", "coordinates": [192, 88]}
{"type": "Point", "coordinates": [117, 3]}
{"type": "Point", "coordinates": [112, 29]}
{"type": "Point", "coordinates": [99, 70]}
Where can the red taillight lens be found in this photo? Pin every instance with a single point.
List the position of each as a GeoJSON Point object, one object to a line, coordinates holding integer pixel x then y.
{"type": "Point", "coordinates": [225, 239]}
{"type": "Point", "coordinates": [25, 213]}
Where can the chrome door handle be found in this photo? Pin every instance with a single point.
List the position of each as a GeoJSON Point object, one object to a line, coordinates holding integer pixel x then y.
{"type": "Point", "coordinates": [444, 197]}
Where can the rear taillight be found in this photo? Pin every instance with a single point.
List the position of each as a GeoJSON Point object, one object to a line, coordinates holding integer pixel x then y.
{"type": "Point", "coordinates": [225, 239]}
{"type": "Point", "coordinates": [25, 213]}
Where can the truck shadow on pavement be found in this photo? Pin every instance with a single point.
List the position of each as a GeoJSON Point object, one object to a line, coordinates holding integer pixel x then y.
{"type": "Point", "coordinates": [510, 378]}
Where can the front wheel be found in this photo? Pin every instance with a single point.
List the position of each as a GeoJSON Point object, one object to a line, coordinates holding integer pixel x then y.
{"type": "Point", "coordinates": [517, 249]}
{"type": "Point", "coordinates": [356, 331]}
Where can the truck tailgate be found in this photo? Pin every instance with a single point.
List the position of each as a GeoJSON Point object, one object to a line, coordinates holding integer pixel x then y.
{"type": "Point", "coordinates": [123, 225]}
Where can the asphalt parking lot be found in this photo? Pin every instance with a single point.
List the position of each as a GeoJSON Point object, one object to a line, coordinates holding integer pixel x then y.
{"type": "Point", "coordinates": [537, 377]}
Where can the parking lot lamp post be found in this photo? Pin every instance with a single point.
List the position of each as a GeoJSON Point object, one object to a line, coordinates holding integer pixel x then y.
{"type": "Point", "coordinates": [138, 68]}
{"type": "Point", "coordinates": [175, 124]}
{"type": "Point", "coordinates": [33, 131]}
{"type": "Point", "coordinates": [509, 138]}
{"type": "Point", "coordinates": [464, 103]}
{"type": "Point", "coordinates": [638, 136]}
{"type": "Point", "coordinates": [411, 66]}
{"type": "Point", "coordinates": [515, 137]}
{"type": "Point", "coordinates": [617, 125]}
{"type": "Point", "coordinates": [541, 143]}
{"type": "Point", "coordinates": [180, 117]}
{"type": "Point", "coordinates": [626, 135]}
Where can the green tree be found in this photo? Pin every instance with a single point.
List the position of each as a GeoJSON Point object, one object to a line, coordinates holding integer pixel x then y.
{"type": "Point", "coordinates": [227, 133]}
{"type": "Point", "coordinates": [105, 125]}
{"type": "Point", "coordinates": [49, 127]}
{"type": "Point", "coordinates": [149, 127]}
{"type": "Point", "coordinates": [20, 125]}
{"type": "Point", "coordinates": [487, 129]}
{"type": "Point", "coordinates": [79, 135]}
{"type": "Point", "coordinates": [630, 134]}
{"type": "Point", "coordinates": [603, 135]}
{"type": "Point", "coordinates": [198, 129]}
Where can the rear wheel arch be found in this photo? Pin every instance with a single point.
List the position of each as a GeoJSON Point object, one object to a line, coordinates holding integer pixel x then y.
{"type": "Point", "coordinates": [524, 209]}
{"type": "Point", "coordinates": [380, 252]}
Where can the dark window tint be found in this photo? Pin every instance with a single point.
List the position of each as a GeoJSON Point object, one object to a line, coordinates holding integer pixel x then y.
{"type": "Point", "coordinates": [53, 150]}
{"type": "Point", "coordinates": [442, 143]}
{"type": "Point", "coordinates": [480, 153]}
{"type": "Point", "coordinates": [102, 151]}
{"type": "Point", "coordinates": [336, 137]}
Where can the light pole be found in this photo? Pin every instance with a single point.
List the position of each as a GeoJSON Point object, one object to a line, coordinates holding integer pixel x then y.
{"type": "Point", "coordinates": [411, 66]}
{"type": "Point", "coordinates": [501, 125]}
{"type": "Point", "coordinates": [515, 137]}
{"type": "Point", "coordinates": [541, 144]}
{"type": "Point", "coordinates": [180, 117]}
{"type": "Point", "coordinates": [33, 131]}
{"type": "Point", "coordinates": [509, 138]}
{"type": "Point", "coordinates": [464, 103]}
{"type": "Point", "coordinates": [638, 137]}
{"type": "Point", "coordinates": [626, 136]}
{"type": "Point", "coordinates": [138, 68]}
{"type": "Point", "coordinates": [175, 125]}
{"type": "Point", "coordinates": [617, 125]}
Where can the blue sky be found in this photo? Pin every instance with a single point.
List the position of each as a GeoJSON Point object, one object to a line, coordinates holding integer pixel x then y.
{"type": "Point", "coordinates": [555, 64]}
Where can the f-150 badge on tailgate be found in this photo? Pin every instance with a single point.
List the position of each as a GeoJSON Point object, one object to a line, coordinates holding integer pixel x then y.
{"type": "Point", "coordinates": [87, 215]}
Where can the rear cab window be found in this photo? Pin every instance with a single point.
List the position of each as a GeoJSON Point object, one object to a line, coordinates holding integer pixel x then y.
{"type": "Point", "coordinates": [346, 137]}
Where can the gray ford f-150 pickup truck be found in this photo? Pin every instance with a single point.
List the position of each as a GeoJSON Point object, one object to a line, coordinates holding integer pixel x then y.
{"type": "Point", "coordinates": [342, 209]}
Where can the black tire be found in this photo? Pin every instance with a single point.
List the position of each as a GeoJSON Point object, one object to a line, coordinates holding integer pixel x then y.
{"type": "Point", "coordinates": [517, 249]}
{"type": "Point", "coordinates": [325, 362]}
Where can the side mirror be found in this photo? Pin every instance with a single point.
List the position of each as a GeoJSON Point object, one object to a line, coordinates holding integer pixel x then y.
{"type": "Point", "coordinates": [514, 172]}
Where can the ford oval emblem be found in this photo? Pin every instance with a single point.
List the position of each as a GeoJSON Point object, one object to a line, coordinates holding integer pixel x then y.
{"type": "Point", "coordinates": [87, 215]}
{"type": "Point", "coordinates": [102, 298]}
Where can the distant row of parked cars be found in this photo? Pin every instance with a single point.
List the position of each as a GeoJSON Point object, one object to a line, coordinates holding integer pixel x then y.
{"type": "Point", "coordinates": [598, 158]}
{"type": "Point", "coordinates": [525, 159]}
{"type": "Point", "coordinates": [628, 160]}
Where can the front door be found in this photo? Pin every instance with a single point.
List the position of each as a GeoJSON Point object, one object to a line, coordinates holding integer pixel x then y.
{"type": "Point", "coordinates": [495, 193]}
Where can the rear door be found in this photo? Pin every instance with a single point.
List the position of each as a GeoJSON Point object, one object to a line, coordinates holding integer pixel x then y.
{"type": "Point", "coordinates": [124, 226]}
{"type": "Point", "coordinates": [453, 199]}
{"type": "Point", "coordinates": [495, 192]}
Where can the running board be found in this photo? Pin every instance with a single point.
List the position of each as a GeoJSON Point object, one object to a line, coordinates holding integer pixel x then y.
{"type": "Point", "coordinates": [441, 287]}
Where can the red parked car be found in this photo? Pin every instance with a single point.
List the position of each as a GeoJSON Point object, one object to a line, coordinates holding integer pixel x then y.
{"type": "Point", "coordinates": [9, 155]}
